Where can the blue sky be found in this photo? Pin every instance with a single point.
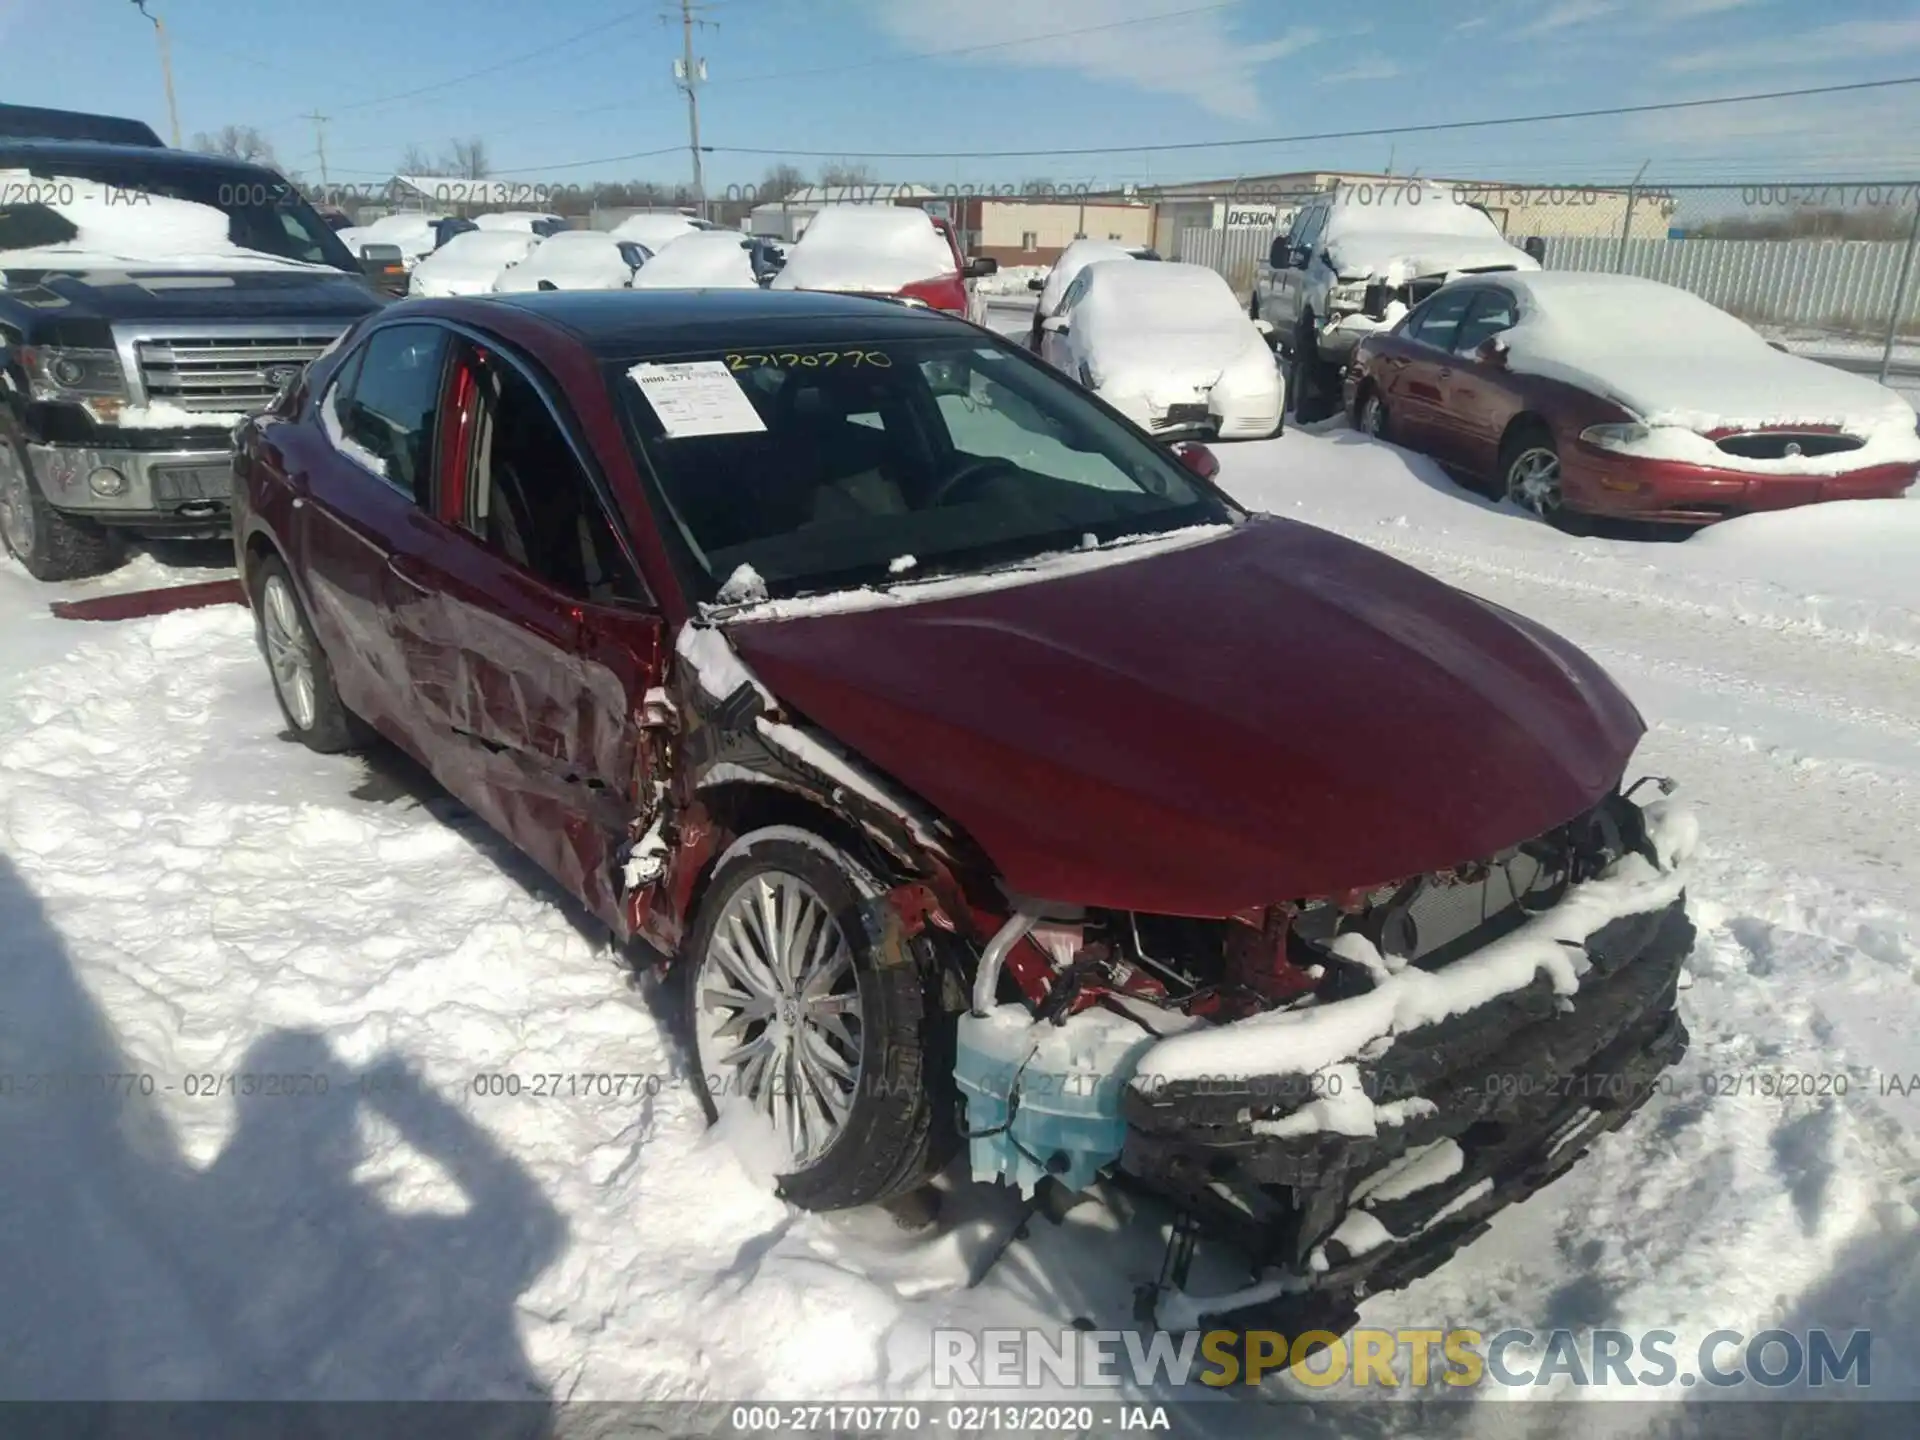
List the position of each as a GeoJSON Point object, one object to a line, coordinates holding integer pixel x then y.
{"type": "Point", "coordinates": [854, 77]}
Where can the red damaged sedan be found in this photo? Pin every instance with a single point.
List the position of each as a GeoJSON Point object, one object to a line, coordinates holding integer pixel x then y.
{"type": "Point", "coordinates": [1574, 393]}
{"type": "Point", "coordinates": [989, 778]}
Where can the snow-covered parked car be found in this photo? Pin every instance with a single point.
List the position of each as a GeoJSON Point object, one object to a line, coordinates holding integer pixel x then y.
{"type": "Point", "coordinates": [1052, 287]}
{"type": "Point", "coordinates": [1357, 258]}
{"type": "Point", "coordinates": [653, 231]}
{"type": "Point", "coordinates": [1169, 347]}
{"type": "Point", "coordinates": [413, 233]}
{"type": "Point", "coordinates": [896, 250]}
{"type": "Point", "coordinates": [529, 222]}
{"type": "Point", "coordinates": [1591, 394]}
{"type": "Point", "coordinates": [921, 717]}
{"type": "Point", "coordinates": [700, 260]}
{"type": "Point", "coordinates": [468, 264]}
{"type": "Point", "coordinates": [574, 260]}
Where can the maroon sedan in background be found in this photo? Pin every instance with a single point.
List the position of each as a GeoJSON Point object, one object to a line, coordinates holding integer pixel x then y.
{"type": "Point", "coordinates": [877, 680]}
{"type": "Point", "coordinates": [1610, 395]}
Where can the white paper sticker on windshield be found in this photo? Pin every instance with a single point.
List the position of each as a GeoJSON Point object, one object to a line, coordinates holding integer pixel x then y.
{"type": "Point", "coordinates": [697, 397]}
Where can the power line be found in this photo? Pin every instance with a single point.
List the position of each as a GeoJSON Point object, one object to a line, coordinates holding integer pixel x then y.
{"type": "Point", "coordinates": [1372, 133]}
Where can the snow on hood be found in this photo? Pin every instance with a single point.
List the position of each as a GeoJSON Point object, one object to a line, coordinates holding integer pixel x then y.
{"type": "Point", "coordinates": [572, 260]}
{"type": "Point", "coordinates": [882, 248]}
{"type": "Point", "coordinates": [699, 260]}
{"type": "Point", "coordinates": [520, 220]}
{"type": "Point", "coordinates": [1162, 328]}
{"type": "Point", "coordinates": [1075, 258]}
{"type": "Point", "coordinates": [1679, 364]}
{"type": "Point", "coordinates": [154, 232]}
{"type": "Point", "coordinates": [655, 232]}
{"type": "Point", "coordinates": [468, 263]}
{"type": "Point", "coordinates": [1394, 257]}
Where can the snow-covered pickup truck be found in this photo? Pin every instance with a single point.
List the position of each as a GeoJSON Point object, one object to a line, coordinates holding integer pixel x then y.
{"type": "Point", "coordinates": [149, 300]}
{"type": "Point", "coordinates": [1357, 258]}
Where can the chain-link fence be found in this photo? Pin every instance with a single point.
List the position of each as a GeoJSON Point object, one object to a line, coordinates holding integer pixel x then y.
{"type": "Point", "coordinates": [1828, 269]}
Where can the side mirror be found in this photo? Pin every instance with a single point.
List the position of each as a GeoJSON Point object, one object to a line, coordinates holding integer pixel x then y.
{"type": "Point", "coordinates": [1054, 325]}
{"type": "Point", "coordinates": [1491, 351]}
{"type": "Point", "coordinates": [985, 265]}
{"type": "Point", "coordinates": [1196, 458]}
{"type": "Point", "coordinates": [1277, 253]}
{"type": "Point", "coordinates": [1780, 347]}
{"type": "Point", "coordinates": [1036, 284]}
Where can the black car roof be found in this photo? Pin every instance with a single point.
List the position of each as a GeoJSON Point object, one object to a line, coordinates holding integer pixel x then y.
{"type": "Point", "coordinates": [50, 153]}
{"type": "Point", "coordinates": [617, 323]}
{"type": "Point", "coordinates": [31, 122]}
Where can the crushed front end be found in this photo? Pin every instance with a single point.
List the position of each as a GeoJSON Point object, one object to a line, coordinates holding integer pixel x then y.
{"type": "Point", "coordinates": [1346, 1090]}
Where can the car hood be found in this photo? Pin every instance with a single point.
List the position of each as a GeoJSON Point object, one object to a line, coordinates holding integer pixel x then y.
{"type": "Point", "coordinates": [1156, 362]}
{"type": "Point", "coordinates": [1275, 714]}
{"type": "Point", "coordinates": [137, 294]}
{"type": "Point", "coordinates": [1396, 257]}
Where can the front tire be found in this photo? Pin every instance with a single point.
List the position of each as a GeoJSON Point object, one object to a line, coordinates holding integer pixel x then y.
{"type": "Point", "coordinates": [795, 1017]}
{"type": "Point", "coordinates": [1373, 419]}
{"type": "Point", "coordinates": [302, 678]}
{"type": "Point", "coordinates": [1530, 473]}
{"type": "Point", "coordinates": [50, 545]}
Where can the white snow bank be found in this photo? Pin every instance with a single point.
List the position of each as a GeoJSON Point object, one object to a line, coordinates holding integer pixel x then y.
{"type": "Point", "coordinates": [1075, 258]}
{"type": "Point", "coordinates": [1684, 368]}
{"type": "Point", "coordinates": [468, 263]}
{"type": "Point", "coordinates": [655, 231]}
{"type": "Point", "coordinates": [1858, 560]}
{"type": "Point", "coordinates": [571, 260]}
{"type": "Point", "coordinates": [699, 260]}
{"type": "Point", "coordinates": [118, 229]}
{"type": "Point", "coordinates": [866, 247]}
{"type": "Point", "coordinates": [1315, 1039]}
{"type": "Point", "coordinates": [1009, 280]}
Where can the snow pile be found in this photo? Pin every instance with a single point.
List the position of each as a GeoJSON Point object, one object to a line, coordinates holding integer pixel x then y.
{"type": "Point", "coordinates": [468, 263]}
{"type": "Point", "coordinates": [699, 260]}
{"type": "Point", "coordinates": [1075, 258]}
{"type": "Point", "coordinates": [1168, 332]}
{"type": "Point", "coordinates": [571, 260]}
{"type": "Point", "coordinates": [655, 231]}
{"type": "Point", "coordinates": [881, 248]}
{"type": "Point", "coordinates": [410, 230]}
{"type": "Point", "coordinates": [1314, 1039]}
{"type": "Point", "coordinates": [120, 229]}
{"type": "Point", "coordinates": [1395, 230]}
{"type": "Point", "coordinates": [1683, 368]}
{"type": "Point", "coordinates": [1010, 280]}
{"type": "Point", "coordinates": [521, 221]}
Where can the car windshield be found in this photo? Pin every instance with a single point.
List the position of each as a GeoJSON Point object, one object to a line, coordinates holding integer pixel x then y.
{"type": "Point", "coordinates": [264, 213]}
{"type": "Point", "coordinates": [827, 466]}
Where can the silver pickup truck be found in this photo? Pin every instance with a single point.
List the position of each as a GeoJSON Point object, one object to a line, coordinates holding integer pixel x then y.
{"type": "Point", "coordinates": [1354, 260]}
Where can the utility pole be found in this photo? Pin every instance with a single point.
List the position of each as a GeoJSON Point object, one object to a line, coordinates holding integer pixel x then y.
{"type": "Point", "coordinates": [166, 68]}
{"type": "Point", "coordinates": [689, 74]}
{"type": "Point", "coordinates": [320, 143]}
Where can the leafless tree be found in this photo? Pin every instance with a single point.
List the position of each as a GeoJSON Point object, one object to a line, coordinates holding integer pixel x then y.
{"type": "Point", "coordinates": [779, 182]}
{"type": "Point", "coordinates": [236, 142]}
{"type": "Point", "coordinates": [416, 161]}
{"type": "Point", "coordinates": [467, 159]}
{"type": "Point", "coordinates": [846, 172]}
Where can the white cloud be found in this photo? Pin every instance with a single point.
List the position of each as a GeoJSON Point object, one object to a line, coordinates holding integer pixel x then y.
{"type": "Point", "coordinates": [1362, 70]}
{"type": "Point", "coordinates": [1851, 40]}
{"type": "Point", "coordinates": [1196, 56]}
{"type": "Point", "coordinates": [1568, 13]}
{"type": "Point", "coordinates": [1843, 136]}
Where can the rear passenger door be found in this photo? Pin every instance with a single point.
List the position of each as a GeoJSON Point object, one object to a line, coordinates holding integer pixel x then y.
{"type": "Point", "coordinates": [531, 641]}
{"type": "Point", "coordinates": [361, 505]}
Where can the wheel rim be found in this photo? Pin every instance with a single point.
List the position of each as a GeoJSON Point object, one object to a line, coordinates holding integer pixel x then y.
{"type": "Point", "coordinates": [777, 1013]}
{"type": "Point", "coordinates": [1533, 480]}
{"type": "Point", "coordinates": [16, 504]}
{"type": "Point", "coordinates": [287, 653]}
{"type": "Point", "coordinates": [1373, 418]}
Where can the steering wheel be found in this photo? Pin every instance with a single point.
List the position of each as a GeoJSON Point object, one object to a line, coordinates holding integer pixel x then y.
{"type": "Point", "coordinates": [968, 474]}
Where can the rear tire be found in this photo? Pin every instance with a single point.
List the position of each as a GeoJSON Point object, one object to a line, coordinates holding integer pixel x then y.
{"type": "Point", "coordinates": [302, 678]}
{"type": "Point", "coordinates": [51, 546]}
{"type": "Point", "coordinates": [850, 1058]}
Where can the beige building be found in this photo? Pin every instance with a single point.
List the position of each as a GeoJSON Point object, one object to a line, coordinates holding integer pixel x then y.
{"type": "Point", "coordinates": [1034, 232]}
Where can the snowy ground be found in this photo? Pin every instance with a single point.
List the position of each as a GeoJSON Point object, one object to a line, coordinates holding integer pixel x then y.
{"type": "Point", "coordinates": [186, 895]}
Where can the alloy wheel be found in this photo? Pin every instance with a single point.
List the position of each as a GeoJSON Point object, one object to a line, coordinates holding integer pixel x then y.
{"type": "Point", "coordinates": [16, 503]}
{"type": "Point", "coordinates": [777, 1013]}
{"type": "Point", "coordinates": [288, 655]}
{"type": "Point", "coordinates": [1373, 418]}
{"type": "Point", "coordinates": [1533, 480]}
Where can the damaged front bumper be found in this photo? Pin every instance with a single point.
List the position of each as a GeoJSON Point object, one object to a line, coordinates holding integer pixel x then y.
{"type": "Point", "coordinates": [1464, 1117]}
